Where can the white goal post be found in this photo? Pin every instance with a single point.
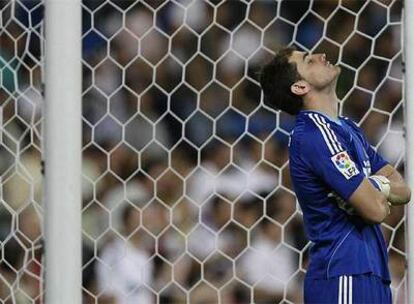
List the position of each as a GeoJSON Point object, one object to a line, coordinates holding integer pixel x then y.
{"type": "Point", "coordinates": [62, 150]}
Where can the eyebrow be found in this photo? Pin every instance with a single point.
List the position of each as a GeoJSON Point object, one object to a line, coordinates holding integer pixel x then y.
{"type": "Point", "coordinates": [304, 55]}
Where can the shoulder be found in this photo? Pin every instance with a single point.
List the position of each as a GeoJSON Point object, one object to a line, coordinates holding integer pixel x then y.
{"type": "Point", "coordinates": [314, 133]}
{"type": "Point", "coordinates": [349, 122]}
{"type": "Point", "coordinates": [304, 126]}
{"type": "Point", "coordinates": [354, 126]}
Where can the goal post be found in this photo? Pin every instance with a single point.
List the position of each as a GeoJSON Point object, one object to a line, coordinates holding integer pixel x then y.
{"type": "Point", "coordinates": [62, 151]}
{"type": "Point", "coordinates": [409, 112]}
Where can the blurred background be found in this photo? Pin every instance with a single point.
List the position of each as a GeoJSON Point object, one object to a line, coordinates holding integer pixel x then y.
{"type": "Point", "coordinates": [186, 189]}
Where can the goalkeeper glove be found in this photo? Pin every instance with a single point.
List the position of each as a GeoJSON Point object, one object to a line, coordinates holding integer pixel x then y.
{"type": "Point", "coordinates": [381, 183]}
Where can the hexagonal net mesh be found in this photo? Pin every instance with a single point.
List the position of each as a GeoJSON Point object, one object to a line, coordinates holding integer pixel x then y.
{"type": "Point", "coordinates": [186, 189]}
{"type": "Point", "coordinates": [20, 152]}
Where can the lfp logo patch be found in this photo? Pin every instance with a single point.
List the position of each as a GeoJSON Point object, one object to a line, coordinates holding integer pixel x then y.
{"type": "Point", "coordinates": [345, 165]}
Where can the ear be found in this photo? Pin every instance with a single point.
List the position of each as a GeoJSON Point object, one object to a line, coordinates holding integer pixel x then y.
{"type": "Point", "coordinates": [300, 88]}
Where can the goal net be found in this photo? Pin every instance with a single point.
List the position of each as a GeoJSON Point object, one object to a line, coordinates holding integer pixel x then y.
{"type": "Point", "coordinates": [20, 152]}
{"type": "Point", "coordinates": [186, 189]}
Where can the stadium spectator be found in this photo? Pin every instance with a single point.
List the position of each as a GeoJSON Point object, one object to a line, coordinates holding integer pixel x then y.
{"type": "Point", "coordinates": [125, 270]}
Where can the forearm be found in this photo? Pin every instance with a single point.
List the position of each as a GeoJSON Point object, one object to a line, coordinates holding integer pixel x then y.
{"type": "Point", "coordinates": [370, 204]}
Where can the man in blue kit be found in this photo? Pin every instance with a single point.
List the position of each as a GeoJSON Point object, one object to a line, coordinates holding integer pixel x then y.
{"type": "Point", "coordinates": [344, 187]}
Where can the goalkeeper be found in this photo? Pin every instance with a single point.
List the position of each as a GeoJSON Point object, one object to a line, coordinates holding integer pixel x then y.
{"type": "Point", "coordinates": [344, 187]}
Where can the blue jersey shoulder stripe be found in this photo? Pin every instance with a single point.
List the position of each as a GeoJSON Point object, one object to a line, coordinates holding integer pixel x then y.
{"type": "Point", "coordinates": [332, 133]}
{"type": "Point", "coordinates": [328, 143]}
{"type": "Point", "coordinates": [328, 135]}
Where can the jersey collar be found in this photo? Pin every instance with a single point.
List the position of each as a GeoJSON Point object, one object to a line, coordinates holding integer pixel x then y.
{"type": "Point", "coordinates": [336, 121]}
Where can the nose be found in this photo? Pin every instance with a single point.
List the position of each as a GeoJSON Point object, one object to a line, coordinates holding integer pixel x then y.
{"type": "Point", "coordinates": [322, 57]}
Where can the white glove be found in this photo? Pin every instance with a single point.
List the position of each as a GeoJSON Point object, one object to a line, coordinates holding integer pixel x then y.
{"type": "Point", "coordinates": [381, 183]}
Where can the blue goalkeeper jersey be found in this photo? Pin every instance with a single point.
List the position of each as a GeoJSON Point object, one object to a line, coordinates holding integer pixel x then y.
{"type": "Point", "coordinates": [333, 156]}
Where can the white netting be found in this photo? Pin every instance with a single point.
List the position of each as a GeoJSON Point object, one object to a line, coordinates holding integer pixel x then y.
{"type": "Point", "coordinates": [20, 152]}
{"type": "Point", "coordinates": [186, 189]}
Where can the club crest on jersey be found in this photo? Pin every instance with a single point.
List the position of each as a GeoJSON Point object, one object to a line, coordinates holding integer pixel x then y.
{"type": "Point", "coordinates": [345, 165]}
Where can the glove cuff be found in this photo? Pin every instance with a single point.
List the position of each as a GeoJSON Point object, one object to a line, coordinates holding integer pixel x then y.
{"type": "Point", "coordinates": [381, 183]}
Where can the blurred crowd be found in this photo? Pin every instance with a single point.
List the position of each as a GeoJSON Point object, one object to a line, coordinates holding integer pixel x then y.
{"type": "Point", "coordinates": [186, 190]}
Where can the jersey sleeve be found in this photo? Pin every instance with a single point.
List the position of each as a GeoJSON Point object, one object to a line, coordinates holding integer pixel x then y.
{"type": "Point", "coordinates": [329, 158]}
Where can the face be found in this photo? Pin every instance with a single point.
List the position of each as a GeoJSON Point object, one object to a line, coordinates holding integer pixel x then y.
{"type": "Point", "coordinates": [315, 69]}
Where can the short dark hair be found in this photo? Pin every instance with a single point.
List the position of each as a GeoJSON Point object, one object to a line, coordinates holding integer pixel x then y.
{"type": "Point", "coordinates": [276, 78]}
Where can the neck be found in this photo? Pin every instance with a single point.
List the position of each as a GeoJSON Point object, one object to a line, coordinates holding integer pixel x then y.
{"type": "Point", "coordinates": [323, 101]}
